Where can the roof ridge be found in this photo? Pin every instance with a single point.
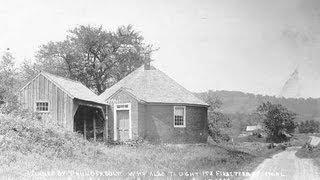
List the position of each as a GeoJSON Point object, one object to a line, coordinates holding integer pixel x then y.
{"type": "Point", "coordinates": [180, 86]}
{"type": "Point", "coordinates": [47, 75]}
{"type": "Point", "coordinates": [123, 80]}
{"type": "Point", "coordinates": [70, 80]}
{"type": "Point", "coordinates": [61, 77]}
{"type": "Point", "coordinates": [166, 89]}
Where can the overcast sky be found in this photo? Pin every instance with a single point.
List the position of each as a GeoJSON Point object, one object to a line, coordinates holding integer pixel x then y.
{"type": "Point", "coordinates": [246, 45]}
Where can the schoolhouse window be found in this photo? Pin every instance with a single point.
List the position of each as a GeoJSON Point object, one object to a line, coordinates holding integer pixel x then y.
{"type": "Point", "coordinates": [123, 106]}
{"type": "Point", "coordinates": [179, 116]}
{"type": "Point", "coordinates": [42, 106]}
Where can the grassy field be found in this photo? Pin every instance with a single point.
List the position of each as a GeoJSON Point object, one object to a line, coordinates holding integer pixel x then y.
{"type": "Point", "coordinates": [308, 151]}
{"type": "Point", "coordinates": [30, 148]}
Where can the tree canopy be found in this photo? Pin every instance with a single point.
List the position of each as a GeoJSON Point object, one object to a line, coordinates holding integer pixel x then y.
{"type": "Point", "coordinates": [8, 77]}
{"type": "Point", "coordinates": [9, 83]}
{"type": "Point", "coordinates": [309, 126]}
{"type": "Point", "coordinates": [94, 56]}
{"type": "Point", "coordinates": [218, 123]}
{"type": "Point", "coordinates": [278, 121]}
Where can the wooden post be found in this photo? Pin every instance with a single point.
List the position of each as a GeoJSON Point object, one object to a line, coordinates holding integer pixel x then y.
{"type": "Point", "coordinates": [94, 129]}
{"type": "Point", "coordinates": [85, 128]}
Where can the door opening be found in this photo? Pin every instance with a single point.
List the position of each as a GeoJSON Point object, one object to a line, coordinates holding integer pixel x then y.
{"type": "Point", "coordinates": [89, 122]}
{"type": "Point", "coordinates": [122, 122]}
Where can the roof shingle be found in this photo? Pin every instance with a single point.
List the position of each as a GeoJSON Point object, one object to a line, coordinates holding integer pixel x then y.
{"type": "Point", "coordinates": [153, 86]}
{"type": "Point", "coordinates": [74, 88]}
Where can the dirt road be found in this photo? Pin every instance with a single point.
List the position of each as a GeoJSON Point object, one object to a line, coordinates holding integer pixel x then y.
{"type": "Point", "coordinates": [286, 165]}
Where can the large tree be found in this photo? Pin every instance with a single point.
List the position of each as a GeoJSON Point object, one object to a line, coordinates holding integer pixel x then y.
{"type": "Point", "coordinates": [94, 56]}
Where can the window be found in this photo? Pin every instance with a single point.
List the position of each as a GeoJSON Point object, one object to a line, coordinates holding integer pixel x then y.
{"type": "Point", "coordinates": [42, 106]}
{"type": "Point", "coordinates": [123, 106]}
{"type": "Point", "coordinates": [179, 116]}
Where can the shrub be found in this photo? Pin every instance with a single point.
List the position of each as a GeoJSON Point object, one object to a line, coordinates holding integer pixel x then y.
{"type": "Point", "coordinates": [278, 121]}
{"type": "Point", "coordinates": [309, 126]}
{"type": "Point", "coordinates": [281, 147]}
{"type": "Point", "coordinates": [11, 105]}
{"type": "Point", "coordinates": [216, 133]}
{"type": "Point", "coordinates": [29, 135]}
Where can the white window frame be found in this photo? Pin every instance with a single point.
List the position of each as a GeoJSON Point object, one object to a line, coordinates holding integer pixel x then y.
{"type": "Point", "coordinates": [42, 101]}
{"type": "Point", "coordinates": [115, 129]}
{"type": "Point", "coordinates": [184, 117]}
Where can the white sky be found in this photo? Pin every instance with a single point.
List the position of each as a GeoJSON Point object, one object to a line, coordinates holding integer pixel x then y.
{"type": "Point", "coordinates": [204, 44]}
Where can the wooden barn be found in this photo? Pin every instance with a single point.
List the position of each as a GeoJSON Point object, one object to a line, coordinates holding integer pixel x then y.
{"type": "Point", "coordinates": [69, 103]}
{"type": "Point", "coordinates": [150, 105]}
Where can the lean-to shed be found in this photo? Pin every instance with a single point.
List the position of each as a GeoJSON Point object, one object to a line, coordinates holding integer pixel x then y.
{"type": "Point", "coordinates": [67, 102]}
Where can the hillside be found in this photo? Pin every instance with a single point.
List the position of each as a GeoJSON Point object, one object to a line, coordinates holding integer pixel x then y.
{"type": "Point", "coordinates": [236, 102]}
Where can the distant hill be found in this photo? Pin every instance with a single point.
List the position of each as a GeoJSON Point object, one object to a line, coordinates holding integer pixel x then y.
{"type": "Point", "coordinates": [236, 102]}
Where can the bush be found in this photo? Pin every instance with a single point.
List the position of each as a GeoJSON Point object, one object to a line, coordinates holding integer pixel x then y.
{"type": "Point", "coordinates": [216, 134]}
{"type": "Point", "coordinates": [281, 147]}
{"type": "Point", "coordinates": [309, 151]}
{"type": "Point", "coordinates": [278, 121]}
{"type": "Point", "coordinates": [309, 126]}
{"type": "Point", "coordinates": [29, 135]}
{"type": "Point", "coordinates": [11, 105]}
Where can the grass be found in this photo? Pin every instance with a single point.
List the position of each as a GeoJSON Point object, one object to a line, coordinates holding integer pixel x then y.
{"type": "Point", "coordinates": [29, 146]}
{"type": "Point", "coordinates": [308, 151]}
{"type": "Point", "coordinates": [251, 138]}
{"type": "Point", "coordinates": [300, 139]}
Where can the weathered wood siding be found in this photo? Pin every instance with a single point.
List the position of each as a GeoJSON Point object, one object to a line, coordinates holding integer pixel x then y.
{"type": "Point", "coordinates": [60, 103]}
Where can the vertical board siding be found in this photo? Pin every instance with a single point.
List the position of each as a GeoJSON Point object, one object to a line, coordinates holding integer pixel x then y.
{"type": "Point", "coordinates": [34, 92]}
{"type": "Point", "coordinates": [70, 115]}
{"type": "Point", "coordinates": [25, 98]}
{"type": "Point", "coordinates": [65, 102]}
{"type": "Point", "coordinates": [29, 96]}
{"type": "Point", "coordinates": [41, 88]}
{"type": "Point", "coordinates": [54, 102]}
{"type": "Point", "coordinates": [48, 95]}
{"type": "Point", "coordinates": [60, 104]}
{"type": "Point", "coordinates": [36, 83]}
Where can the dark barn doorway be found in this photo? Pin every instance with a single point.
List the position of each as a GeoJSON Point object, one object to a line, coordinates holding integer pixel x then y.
{"type": "Point", "coordinates": [89, 121]}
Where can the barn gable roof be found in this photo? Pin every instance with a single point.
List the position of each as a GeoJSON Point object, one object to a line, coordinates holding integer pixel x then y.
{"type": "Point", "coordinates": [153, 86]}
{"type": "Point", "coordinates": [73, 88]}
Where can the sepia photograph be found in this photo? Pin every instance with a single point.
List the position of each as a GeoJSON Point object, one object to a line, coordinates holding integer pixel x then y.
{"type": "Point", "coordinates": [162, 89]}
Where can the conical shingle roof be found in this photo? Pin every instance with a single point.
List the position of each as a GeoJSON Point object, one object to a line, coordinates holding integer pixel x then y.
{"type": "Point", "coordinates": [153, 86]}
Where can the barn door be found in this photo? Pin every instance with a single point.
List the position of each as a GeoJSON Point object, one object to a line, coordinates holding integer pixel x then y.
{"type": "Point", "coordinates": [122, 122]}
